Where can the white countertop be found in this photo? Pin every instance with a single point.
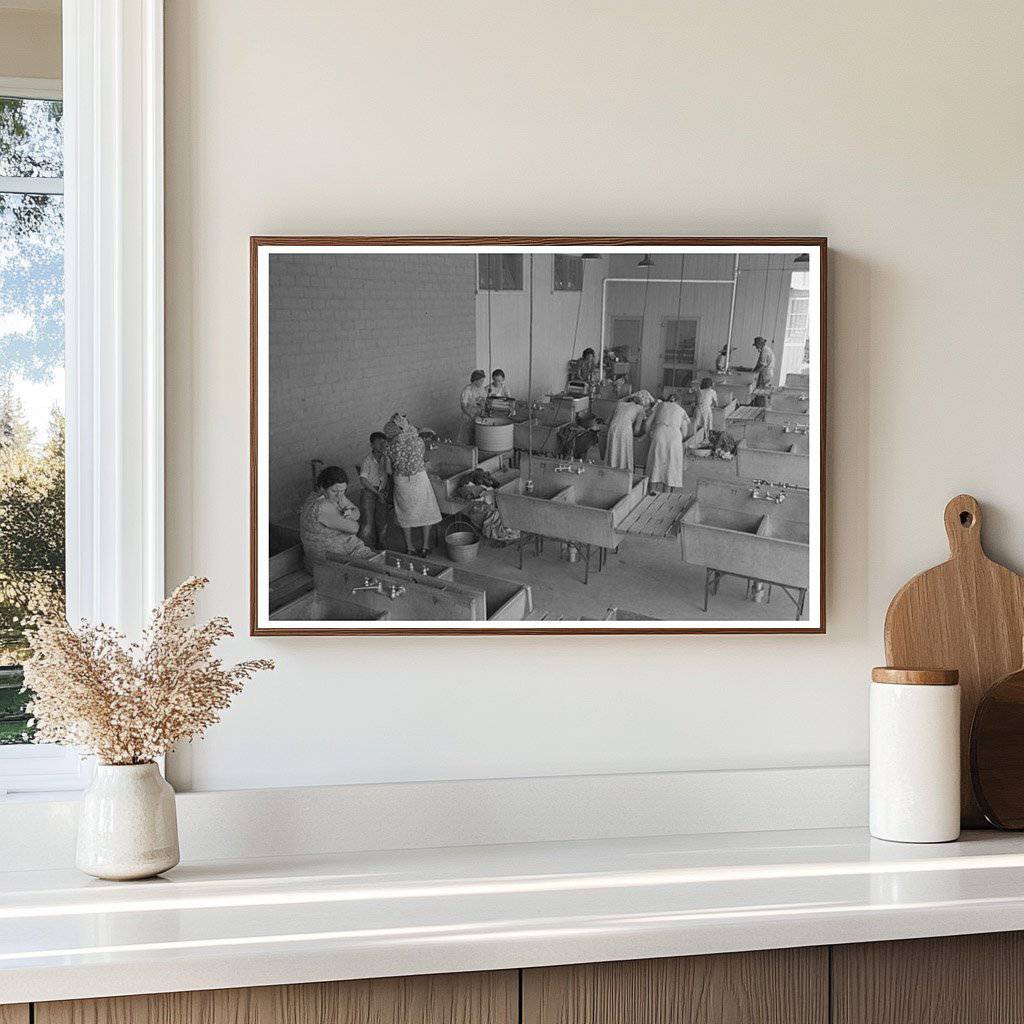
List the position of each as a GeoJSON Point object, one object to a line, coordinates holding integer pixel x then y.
{"type": "Point", "coordinates": [283, 920]}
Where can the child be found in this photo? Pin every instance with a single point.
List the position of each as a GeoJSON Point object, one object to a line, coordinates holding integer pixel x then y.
{"type": "Point", "coordinates": [707, 401]}
{"type": "Point", "coordinates": [373, 508]}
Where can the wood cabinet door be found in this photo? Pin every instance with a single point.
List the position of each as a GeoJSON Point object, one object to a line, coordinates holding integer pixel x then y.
{"type": "Point", "coordinates": [14, 1013]}
{"type": "Point", "coordinates": [477, 998]}
{"type": "Point", "coordinates": [777, 986]}
{"type": "Point", "coordinates": [961, 979]}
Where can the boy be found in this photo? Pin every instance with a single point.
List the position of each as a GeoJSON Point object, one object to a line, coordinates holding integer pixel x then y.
{"type": "Point", "coordinates": [373, 505]}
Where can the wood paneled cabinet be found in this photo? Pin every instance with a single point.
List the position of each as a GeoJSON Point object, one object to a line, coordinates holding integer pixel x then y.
{"type": "Point", "coordinates": [975, 979]}
{"type": "Point", "coordinates": [776, 986]}
{"type": "Point", "coordinates": [478, 998]}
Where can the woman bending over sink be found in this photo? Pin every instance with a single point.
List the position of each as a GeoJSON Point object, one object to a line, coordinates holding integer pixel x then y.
{"type": "Point", "coordinates": [415, 503]}
{"type": "Point", "coordinates": [668, 426]}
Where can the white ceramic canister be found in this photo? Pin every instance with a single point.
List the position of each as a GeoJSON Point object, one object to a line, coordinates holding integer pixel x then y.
{"type": "Point", "coordinates": [127, 825]}
{"type": "Point", "coordinates": [915, 755]}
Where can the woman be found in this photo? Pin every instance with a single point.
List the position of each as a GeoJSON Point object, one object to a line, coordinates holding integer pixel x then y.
{"type": "Point", "coordinates": [704, 416]}
{"type": "Point", "coordinates": [329, 522]}
{"type": "Point", "coordinates": [627, 423]}
{"type": "Point", "coordinates": [414, 500]}
{"type": "Point", "coordinates": [668, 426]}
{"type": "Point", "coordinates": [587, 369]}
{"type": "Point", "coordinates": [472, 403]}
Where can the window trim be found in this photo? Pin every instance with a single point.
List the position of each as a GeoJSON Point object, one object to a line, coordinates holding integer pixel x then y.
{"type": "Point", "coordinates": [31, 89]}
{"type": "Point", "coordinates": [114, 324]}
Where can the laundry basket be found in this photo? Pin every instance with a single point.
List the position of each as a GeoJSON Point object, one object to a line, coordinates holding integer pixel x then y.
{"type": "Point", "coordinates": [461, 541]}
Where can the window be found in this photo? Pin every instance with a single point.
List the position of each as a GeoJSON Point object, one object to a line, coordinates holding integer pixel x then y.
{"type": "Point", "coordinates": [32, 549]}
{"type": "Point", "coordinates": [680, 352]}
{"type": "Point", "coordinates": [796, 348]}
{"type": "Point", "coordinates": [568, 273]}
{"type": "Point", "coordinates": [500, 272]}
{"type": "Point", "coordinates": [31, 382]}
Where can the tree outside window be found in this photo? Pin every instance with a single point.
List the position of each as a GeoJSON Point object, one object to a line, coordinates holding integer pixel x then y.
{"type": "Point", "coordinates": [31, 385]}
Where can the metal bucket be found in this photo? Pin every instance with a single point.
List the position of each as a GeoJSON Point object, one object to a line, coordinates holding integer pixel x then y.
{"type": "Point", "coordinates": [494, 434]}
{"type": "Point", "coordinates": [461, 542]}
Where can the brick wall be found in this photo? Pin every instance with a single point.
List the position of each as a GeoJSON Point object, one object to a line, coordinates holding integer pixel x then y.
{"type": "Point", "coordinates": [354, 338]}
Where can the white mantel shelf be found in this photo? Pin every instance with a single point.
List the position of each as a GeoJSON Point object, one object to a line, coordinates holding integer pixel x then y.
{"type": "Point", "coordinates": [273, 921]}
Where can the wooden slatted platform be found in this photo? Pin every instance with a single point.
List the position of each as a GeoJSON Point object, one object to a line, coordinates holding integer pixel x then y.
{"type": "Point", "coordinates": [747, 413]}
{"type": "Point", "coordinates": [288, 587]}
{"type": "Point", "coordinates": [657, 515]}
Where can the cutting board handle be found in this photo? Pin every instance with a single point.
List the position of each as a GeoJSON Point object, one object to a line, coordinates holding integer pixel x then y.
{"type": "Point", "coordinates": [963, 527]}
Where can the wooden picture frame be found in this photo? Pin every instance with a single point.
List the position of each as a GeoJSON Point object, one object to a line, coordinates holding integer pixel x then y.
{"type": "Point", "coordinates": [770, 254]}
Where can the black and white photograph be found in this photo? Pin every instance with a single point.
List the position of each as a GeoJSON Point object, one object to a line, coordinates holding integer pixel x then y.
{"type": "Point", "coordinates": [537, 435]}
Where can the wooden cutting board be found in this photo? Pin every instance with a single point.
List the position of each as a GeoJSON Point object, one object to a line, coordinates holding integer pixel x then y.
{"type": "Point", "coordinates": [967, 614]}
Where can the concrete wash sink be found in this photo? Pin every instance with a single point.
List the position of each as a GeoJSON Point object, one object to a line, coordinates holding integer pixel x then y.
{"type": "Point", "coordinates": [765, 547]}
{"type": "Point", "coordinates": [585, 508]}
{"type": "Point", "coordinates": [443, 592]}
{"type": "Point", "coordinates": [772, 454]}
{"type": "Point", "coordinates": [544, 436]}
{"type": "Point", "coordinates": [782, 410]}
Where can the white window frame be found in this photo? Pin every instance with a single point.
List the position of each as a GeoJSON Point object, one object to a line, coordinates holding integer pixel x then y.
{"type": "Point", "coordinates": [114, 328]}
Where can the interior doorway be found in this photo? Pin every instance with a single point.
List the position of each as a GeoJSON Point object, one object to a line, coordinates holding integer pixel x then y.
{"type": "Point", "coordinates": [627, 339]}
{"type": "Point", "coordinates": [678, 361]}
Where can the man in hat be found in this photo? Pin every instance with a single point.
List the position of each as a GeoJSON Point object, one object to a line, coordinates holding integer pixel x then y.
{"type": "Point", "coordinates": [473, 402]}
{"type": "Point", "coordinates": [765, 370]}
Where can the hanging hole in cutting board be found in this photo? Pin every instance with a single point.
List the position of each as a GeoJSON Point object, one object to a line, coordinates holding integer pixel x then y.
{"type": "Point", "coordinates": [966, 519]}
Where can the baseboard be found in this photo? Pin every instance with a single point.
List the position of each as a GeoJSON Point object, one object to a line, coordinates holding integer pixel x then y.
{"type": "Point", "coordinates": [288, 822]}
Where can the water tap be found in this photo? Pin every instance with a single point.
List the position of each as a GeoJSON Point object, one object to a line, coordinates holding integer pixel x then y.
{"type": "Point", "coordinates": [376, 586]}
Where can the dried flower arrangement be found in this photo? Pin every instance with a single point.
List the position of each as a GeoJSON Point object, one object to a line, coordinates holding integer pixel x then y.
{"type": "Point", "coordinates": [129, 703]}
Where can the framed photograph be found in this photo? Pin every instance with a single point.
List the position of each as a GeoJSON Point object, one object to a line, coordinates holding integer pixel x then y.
{"type": "Point", "coordinates": [537, 435]}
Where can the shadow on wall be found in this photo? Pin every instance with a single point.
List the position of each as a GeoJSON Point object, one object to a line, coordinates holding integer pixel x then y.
{"type": "Point", "coordinates": [354, 338]}
{"type": "Point", "coordinates": [848, 379]}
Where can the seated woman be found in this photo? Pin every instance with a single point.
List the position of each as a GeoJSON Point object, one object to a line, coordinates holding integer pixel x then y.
{"type": "Point", "coordinates": [413, 495]}
{"type": "Point", "coordinates": [329, 522]}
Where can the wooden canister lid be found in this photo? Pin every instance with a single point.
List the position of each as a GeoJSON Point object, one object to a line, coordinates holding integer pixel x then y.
{"type": "Point", "coordinates": [916, 676]}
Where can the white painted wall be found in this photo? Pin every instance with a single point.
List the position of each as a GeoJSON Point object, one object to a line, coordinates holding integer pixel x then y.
{"type": "Point", "coordinates": [30, 39]}
{"type": "Point", "coordinates": [891, 128]}
{"type": "Point", "coordinates": [563, 326]}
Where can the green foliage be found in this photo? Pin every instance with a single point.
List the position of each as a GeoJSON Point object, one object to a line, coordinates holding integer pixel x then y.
{"type": "Point", "coordinates": [31, 524]}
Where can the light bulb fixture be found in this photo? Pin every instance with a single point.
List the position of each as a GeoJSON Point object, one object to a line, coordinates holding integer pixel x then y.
{"type": "Point", "coordinates": [802, 258]}
{"type": "Point", "coordinates": [647, 261]}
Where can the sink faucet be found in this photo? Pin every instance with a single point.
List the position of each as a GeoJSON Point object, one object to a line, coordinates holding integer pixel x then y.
{"type": "Point", "coordinates": [376, 586]}
{"type": "Point", "coordinates": [762, 491]}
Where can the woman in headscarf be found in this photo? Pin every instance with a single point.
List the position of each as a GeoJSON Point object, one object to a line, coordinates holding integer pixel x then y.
{"type": "Point", "coordinates": [329, 522]}
{"type": "Point", "coordinates": [414, 499]}
{"type": "Point", "coordinates": [627, 423]}
{"type": "Point", "coordinates": [668, 426]}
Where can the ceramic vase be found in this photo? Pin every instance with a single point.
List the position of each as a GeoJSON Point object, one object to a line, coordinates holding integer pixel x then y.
{"type": "Point", "coordinates": [127, 826]}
